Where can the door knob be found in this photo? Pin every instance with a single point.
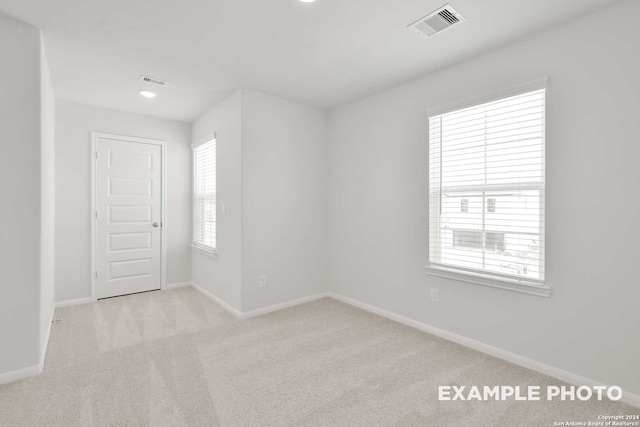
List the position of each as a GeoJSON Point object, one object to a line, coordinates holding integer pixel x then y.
{"type": "Point", "coordinates": [155, 224]}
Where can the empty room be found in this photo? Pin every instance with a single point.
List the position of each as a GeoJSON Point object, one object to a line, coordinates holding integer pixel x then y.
{"type": "Point", "coordinates": [319, 213]}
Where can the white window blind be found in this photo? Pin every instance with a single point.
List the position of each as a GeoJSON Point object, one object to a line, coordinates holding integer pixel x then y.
{"type": "Point", "coordinates": [204, 195]}
{"type": "Point", "coordinates": [486, 189]}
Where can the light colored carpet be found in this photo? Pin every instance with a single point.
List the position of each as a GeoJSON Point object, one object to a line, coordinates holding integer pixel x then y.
{"type": "Point", "coordinates": [176, 358]}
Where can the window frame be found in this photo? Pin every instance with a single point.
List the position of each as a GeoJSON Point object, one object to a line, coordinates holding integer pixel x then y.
{"type": "Point", "coordinates": [496, 280]}
{"type": "Point", "coordinates": [197, 246]}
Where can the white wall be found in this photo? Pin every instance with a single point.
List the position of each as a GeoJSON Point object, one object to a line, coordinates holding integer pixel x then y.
{"type": "Point", "coordinates": [47, 198]}
{"type": "Point", "coordinates": [222, 275]}
{"type": "Point", "coordinates": [21, 216]}
{"type": "Point", "coordinates": [272, 176]}
{"type": "Point", "coordinates": [285, 174]}
{"type": "Point", "coordinates": [74, 123]}
{"type": "Point", "coordinates": [589, 326]}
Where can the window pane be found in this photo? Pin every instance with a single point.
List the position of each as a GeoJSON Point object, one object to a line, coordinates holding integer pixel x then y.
{"type": "Point", "coordinates": [486, 188]}
{"type": "Point", "coordinates": [204, 195]}
{"type": "Point", "coordinates": [491, 205]}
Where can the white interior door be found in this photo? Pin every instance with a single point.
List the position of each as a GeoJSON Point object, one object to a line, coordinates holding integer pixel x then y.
{"type": "Point", "coordinates": [129, 213]}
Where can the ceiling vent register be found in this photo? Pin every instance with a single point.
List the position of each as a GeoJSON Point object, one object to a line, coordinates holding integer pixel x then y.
{"type": "Point", "coordinates": [153, 81]}
{"type": "Point", "coordinates": [437, 21]}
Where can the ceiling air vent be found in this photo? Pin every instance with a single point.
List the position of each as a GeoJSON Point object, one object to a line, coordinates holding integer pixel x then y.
{"type": "Point", "coordinates": [437, 21]}
{"type": "Point", "coordinates": [153, 81]}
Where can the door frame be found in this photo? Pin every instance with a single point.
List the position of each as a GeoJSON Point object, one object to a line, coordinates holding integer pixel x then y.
{"type": "Point", "coordinates": [94, 204]}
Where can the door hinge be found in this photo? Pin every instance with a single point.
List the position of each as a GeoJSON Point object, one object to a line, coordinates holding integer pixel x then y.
{"type": "Point", "coordinates": [96, 274]}
{"type": "Point", "coordinates": [96, 154]}
{"type": "Point", "coordinates": [96, 214]}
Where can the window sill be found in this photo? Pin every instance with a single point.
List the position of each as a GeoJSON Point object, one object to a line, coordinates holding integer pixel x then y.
{"type": "Point", "coordinates": [209, 252]}
{"type": "Point", "coordinates": [515, 286]}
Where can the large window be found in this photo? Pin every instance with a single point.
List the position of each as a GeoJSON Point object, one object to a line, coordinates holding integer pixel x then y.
{"type": "Point", "coordinates": [204, 196]}
{"type": "Point", "coordinates": [486, 190]}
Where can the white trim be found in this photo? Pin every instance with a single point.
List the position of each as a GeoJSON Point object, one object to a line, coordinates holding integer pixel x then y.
{"type": "Point", "coordinates": [217, 300]}
{"type": "Point", "coordinates": [537, 84]}
{"type": "Point", "coordinates": [163, 220]}
{"type": "Point", "coordinates": [283, 305]}
{"type": "Point", "coordinates": [44, 348]}
{"type": "Point", "coordinates": [206, 250]}
{"type": "Point", "coordinates": [21, 374]}
{"type": "Point", "coordinates": [116, 137]}
{"type": "Point", "coordinates": [480, 277]}
{"type": "Point", "coordinates": [35, 370]}
{"type": "Point", "coordinates": [163, 204]}
{"type": "Point", "coordinates": [259, 311]}
{"type": "Point", "coordinates": [87, 300]}
{"type": "Point", "coordinates": [94, 265]}
{"type": "Point", "coordinates": [178, 285]}
{"type": "Point", "coordinates": [562, 375]}
{"type": "Point", "coordinates": [209, 252]}
{"type": "Point", "coordinates": [48, 335]}
{"type": "Point", "coordinates": [72, 302]}
{"type": "Point", "coordinates": [509, 285]}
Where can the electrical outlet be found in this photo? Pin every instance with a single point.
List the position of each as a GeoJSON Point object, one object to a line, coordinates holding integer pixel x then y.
{"type": "Point", "coordinates": [263, 281]}
{"type": "Point", "coordinates": [434, 294]}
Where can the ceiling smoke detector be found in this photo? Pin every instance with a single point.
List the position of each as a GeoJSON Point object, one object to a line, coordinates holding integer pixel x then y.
{"type": "Point", "coordinates": [153, 81]}
{"type": "Point", "coordinates": [437, 21]}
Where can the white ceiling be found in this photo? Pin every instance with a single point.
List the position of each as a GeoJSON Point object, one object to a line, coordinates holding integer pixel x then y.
{"type": "Point", "coordinates": [324, 54]}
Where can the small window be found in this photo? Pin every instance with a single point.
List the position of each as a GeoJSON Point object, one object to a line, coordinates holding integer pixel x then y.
{"type": "Point", "coordinates": [204, 196]}
{"type": "Point", "coordinates": [494, 242]}
{"type": "Point", "coordinates": [467, 239]}
{"type": "Point", "coordinates": [491, 205]}
{"type": "Point", "coordinates": [485, 153]}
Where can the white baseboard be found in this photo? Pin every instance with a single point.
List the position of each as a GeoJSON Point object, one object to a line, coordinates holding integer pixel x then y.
{"type": "Point", "coordinates": [178, 285]}
{"type": "Point", "coordinates": [259, 311]}
{"type": "Point", "coordinates": [283, 305]}
{"type": "Point", "coordinates": [31, 371]}
{"type": "Point", "coordinates": [72, 302]}
{"type": "Point", "coordinates": [48, 336]}
{"type": "Point", "coordinates": [217, 300]}
{"type": "Point", "coordinates": [87, 300]}
{"type": "Point", "coordinates": [562, 375]}
{"type": "Point", "coordinates": [21, 374]}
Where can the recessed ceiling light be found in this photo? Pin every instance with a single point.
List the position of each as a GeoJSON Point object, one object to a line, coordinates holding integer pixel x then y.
{"type": "Point", "coordinates": [147, 93]}
{"type": "Point", "coordinates": [307, 1]}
